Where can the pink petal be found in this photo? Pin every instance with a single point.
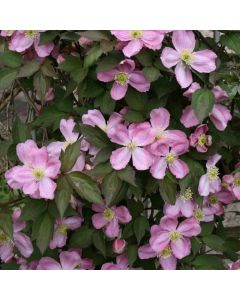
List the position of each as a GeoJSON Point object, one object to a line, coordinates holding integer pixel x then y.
{"type": "Point", "coordinates": [179, 168]}
{"type": "Point", "coordinates": [172, 210]}
{"type": "Point", "coordinates": [169, 263]}
{"type": "Point", "coordinates": [73, 222]}
{"type": "Point", "coordinates": [133, 47]}
{"type": "Point", "coordinates": [119, 135]}
{"type": "Point", "coordinates": [107, 76]}
{"type": "Point", "coordinates": [168, 224]}
{"type": "Point", "coordinates": [139, 82]}
{"type": "Point", "coordinates": [122, 214]}
{"type": "Point", "coordinates": [23, 243]}
{"type": "Point", "coordinates": [48, 263]}
{"type": "Point", "coordinates": [59, 240]}
{"type": "Point", "coordinates": [158, 168]}
{"type": "Point", "coordinates": [188, 118]}
{"type": "Point", "coordinates": [159, 242]}
{"type": "Point", "coordinates": [189, 228]}
{"type": "Point", "coordinates": [118, 91]}
{"type": "Point", "coordinates": [120, 158]}
{"type": "Point", "coordinates": [141, 133]}
{"type": "Point", "coordinates": [112, 228]}
{"type": "Point", "coordinates": [220, 116]}
{"type": "Point", "coordinates": [122, 35]}
{"type": "Point", "coordinates": [152, 39]}
{"type": "Point", "coordinates": [66, 128]}
{"type": "Point", "coordinates": [69, 259]}
{"type": "Point", "coordinates": [181, 248]}
{"type": "Point", "coordinates": [47, 188]}
{"type": "Point", "coordinates": [183, 75]}
{"type": "Point", "coordinates": [146, 252]}
{"type": "Point", "coordinates": [169, 57]}
{"type": "Point", "coordinates": [187, 208]}
{"type": "Point", "coordinates": [183, 40]}
{"type": "Point", "coordinates": [142, 159]}
{"type": "Point", "coordinates": [6, 251]}
{"type": "Point", "coordinates": [160, 118]}
{"type": "Point", "coordinates": [43, 50]}
{"type": "Point", "coordinates": [23, 150]}
{"type": "Point", "coordinates": [203, 187]}
{"type": "Point", "coordinates": [99, 221]}
{"type": "Point", "coordinates": [204, 61]}
{"type": "Point", "coordinates": [94, 118]}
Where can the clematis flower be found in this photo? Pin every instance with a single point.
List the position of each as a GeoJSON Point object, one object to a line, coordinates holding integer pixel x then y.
{"type": "Point", "coordinates": [166, 257]}
{"type": "Point", "coordinates": [176, 236]}
{"type": "Point", "coordinates": [184, 205]}
{"type": "Point", "coordinates": [234, 266]}
{"type": "Point", "coordinates": [61, 228]}
{"type": "Point", "coordinates": [121, 264]}
{"type": "Point", "coordinates": [185, 58]}
{"type": "Point", "coordinates": [23, 39]}
{"type": "Point", "coordinates": [200, 140]}
{"type": "Point", "coordinates": [123, 75]}
{"type": "Point", "coordinates": [69, 260]}
{"type": "Point", "coordinates": [232, 182]}
{"type": "Point", "coordinates": [168, 159]}
{"type": "Point", "coordinates": [20, 240]}
{"type": "Point", "coordinates": [137, 39]}
{"type": "Point", "coordinates": [132, 139]}
{"type": "Point", "coordinates": [95, 118]}
{"type": "Point", "coordinates": [36, 176]}
{"type": "Point", "coordinates": [110, 218]}
{"type": "Point", "coordinates": [210, 182]}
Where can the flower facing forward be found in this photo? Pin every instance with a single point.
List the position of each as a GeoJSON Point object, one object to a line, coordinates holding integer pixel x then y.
{"type": "Point", "coordinates": [123, 75]}
{"type": "Point", "coordinates": [185, 59]}
{"type": "Point", "coordinates": [137, 39]}
{"type": "Point", "coordinates": [200, 140]}
{"type": "Point", "coordinates": [110, 218]}
{"type": "Point", "coordinates": [210, 182]}
{"type": "Point", "coordinates": [36, 176]}
{"type": "Point", "coordinates": [176, 236]}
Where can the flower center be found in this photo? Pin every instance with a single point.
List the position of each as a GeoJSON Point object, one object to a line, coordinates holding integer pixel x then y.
{"type": "Point", "coordinates": [62, 229]}
{"type": "Point", "coordinates": [186, 195]}
{"type": "Point", "coordinates": [3, 238]}
{"type": "Point", "coordinates": [237, 181]}
{"type": "Point", "coordinates": [31, 34]}
{"type": "Point", "coordinates": [122, 78]}
{"type": "Point", "coordinates": [166, 252]}
{"type": "Point", "coordinates": [108, 214]}
{"type": "Point", "coordinates": [174, 236]}
{"type": "Point", "coordinates": [38, 173]}
{"type": "Point", "coordinates": [136, 34]}
{"type": "Point", "coordinates": [187, 56]}
{"type": "Point", "coordinates": [159, 135]}
{"type": "Point", "coordinates": [198, 214]}
{"type": "Point", "coordinates": [202, 139]}
{"type": "Point", "coordinates": [131, 146]}
{"type": "Point", "coordinates": [213, 173]}
{"type": "Point", "coordinates": [170, 158]}
{"type": "Point", "coordinates": [213, 199]}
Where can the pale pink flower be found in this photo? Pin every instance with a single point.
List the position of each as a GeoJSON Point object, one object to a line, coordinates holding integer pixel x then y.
{"type": "Point", "coordinates": [36, 176]}
{"type": "Point", "coordinates": [176, 236]}
{"type": "Point", "coordinates": [121, 264]}
{"type": "Point", "coordinates": [232, 182]}
{"type": "Point", "coordinates": [137, 39]}
{"type": "Point", "coordinates": [200, 140]}
{"type": "Point", "coordinates": [110, 218]}
{"type": "Point", "coordinates": [210, 182]}
{"type": "Point", "coordinates": [133, 139]}
{"type": "Point", "coordinates": [185, 58]}
{"type": "Point", "coordinates": [123, 75]}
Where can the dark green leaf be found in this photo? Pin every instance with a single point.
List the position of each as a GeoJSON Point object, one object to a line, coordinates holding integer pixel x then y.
{"type": "Point", "coordinates": [167, 189]}
{"type": "Point", "coordinates": [134, 116]}
{"type": "Point", "coordinates": [63, 195]}
{"type": "Point", "coordinates": [81, 238]}
{"type": "Point", "coordinates": [92, 56]}
{"type": "Point", "coordinates": [151, 73]}
{"type": "Point", "coordinates": [29, 68]}
{"type": "Point", "coordinates": [111, 186]}
{"type": "Point", "coordinates": [140, 225]}
{"type": "Point", "coordinates": [20, 131]}
{"type": "Point", "coordinates": [202, 103]}
{"type": "Point", "coordinates": [33, 209]}
{"type": "Point", "coordinates": [11, 59]}
{"type": "Point", "coordinates": [232, 41]}
{"type": "Point", "coordinates": [6, 224]}
{"type": "Point", "coordinates": [99, 241]}
{"type": "Point", "coordinates": [95, 136]}
{"type": "Point", "coordinates": [209, 262]}
{"type": "Point", "coordinates": [132, 254]}
{"type": "Point", "coordinates": [214, 242]}
{"type": "Point", "coordinates": [69, 156]}
{"type": "Point", "coordinates": [128, 175]}
{"type": "Point", "coordinates": [7, 77]}
{"type": "Point", "coordinates": [48, 36]}
{"type": "Point", "coordinates": [45, 232]}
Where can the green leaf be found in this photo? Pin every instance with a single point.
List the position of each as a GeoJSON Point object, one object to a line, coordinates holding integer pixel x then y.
{"type": "Point", "coordinates": [63, 195]}
{"type": "Point", "coordinates": [202, 103]}
{"type": "Point", "coordinates": [40, 85]}
{"type": "Point", "coordinates": [6, 224]}
{"type": "Point", "coordinates": [84, 186]}
{"type": "Point", "coordinates": [145, 57]}
{"type": "Point", "coordinates": [103, 155]}
{"type": "Point", "coordinates": [111, 186]}
{"type": "Point", "coordinates": [151, 73]}
{"type": "Point", "coordinates": [48, 36]}
{"type": "Point", "coordinates": [207, 228]}
{"type": "Point", "coordinates": [29, 68]}
{"type": "Point", "coordinates": [33, 209]}
{"type": "Point", "coordinates": [69, 157]}
{"type": "Point", "coordinates": [128, 175]}
{"type": "Point", "coordinates": [214, 242]}
{"type": "Point", "coordinates": [45, 232]}
{"type": "Point", "coordinates": [109, 62]}
{"type": "Point", "coordinates": [140, 225]}
{"type": "Point", "coordinates": [232, 41]}
{"type": "Point", "coordinates": [100, 170]}
{"type": "Point", "coordinates": [92, 56]}
{"type": "Point", "coordinates": [134, 116]}
{"type": "Point", "coordinates": [96, 35]}
{"type": "Point", "coordinates": [99, 241]}
{"type": "Point", "coordinates": [167, 189]}
{"type": "Point", "coordinates": [135, 207]}
{"type": "Point", "coordinates": [132, 254]}
{"type": "Point", "coordinates": [209, 262]}
{"type": "Point", "coordinates": [81, 238]}
{"type": "Point", "coordinates": [48, 69]}
{"type": "Point", "coordinates": [20, 131]}
{"type": "Point", "coordinates": [7, 77]}
{"type": "Point", "coordinates": [11, 59]}
{"type": "Point", "coordinates": [136, 100]}
{"type": "Point", "coordinates": [95, 136]}
{"type": "Point", "coordinates": [108, 105]}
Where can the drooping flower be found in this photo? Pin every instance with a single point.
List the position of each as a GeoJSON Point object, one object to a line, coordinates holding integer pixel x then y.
{"type": "Point", "coordinates": [137, 39]}
{"type": "Point", "coordinates": [200, 140]}
{"type": "Point", "coordinates": [185, 58]}
{"type": "Point", "coordinates": [123, 75]}
{"type": "Point", "coordinates": [210, 182]}
{"type": "Point", "coordinates": [20, 240]}
{"type": "Point", "coordinates": [61, 228]}
{"type": "Point", "coordinates": [166, 257]}
{"type": "Point", "coordinates": [23, 39]}
{"type": "Point", "coordinates": [133, 139]}
{"type": "Point", "coordinates": [110, 218]}
{"type": "Point", "coordinates": [36, 176]}
{"type": "Point", "coordinates": [232, 182]}
{"type": "Point", "coordinates": [69, 260]}
{"type": "Point", "coordinates": [176, 236]}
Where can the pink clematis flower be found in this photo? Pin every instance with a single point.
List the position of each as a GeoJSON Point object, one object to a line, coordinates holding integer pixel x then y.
{"type": "Point", "coordinates": [235, 265]}
{"type": "Point", "coordinates": [61, 228]}
{"type": "Point", "coordinates": [232, 182]}
{"type": "Point", "coordinates": [210, 182]}
{"type": "Point", "coordinates": [119, 246]}
{"type": "Point", "coordinates": [176, 236]}
{"type": "Point", "coordinates": [121, 264]}
{"type": "Point", "coordinates": [123, 75]}
{"type": "Point", "coordinates": [137, 39]}
{"type": "Point", "coordinates": [185, 59]}
{"type": "Point", "coordinates": [110, 218]}
{"type": "Point", "coordinates": [166, 257]}
{"type": "Point", "coordinates": [184, 205]}
{"type": "Point", "coordinates": [20, 240]}
{"type": "Point", "coordinates": [35, 177]}
{"type": "Point", "coordinates": [168, 159]}
{"type": "Point", "coordinates": [200, 140]}
{"type": "Point", "coordinates": [69, 260]}
{"type": "Point", "coordinates": [23, 39]}
{"type": "Point", "coordinates": [132, 139]}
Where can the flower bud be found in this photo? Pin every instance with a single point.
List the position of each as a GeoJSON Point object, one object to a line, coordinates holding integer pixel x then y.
{"type": "Point", "coordinates": [119, 246]}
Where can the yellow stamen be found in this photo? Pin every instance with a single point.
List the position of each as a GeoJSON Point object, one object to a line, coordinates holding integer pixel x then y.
{"type": "Point", "coordinates": [213, 173]}
{"type": "Point", "coordinates": [108, 214]}
{"type": "Point", "coordinates": [213, 199]}
{"type": "Point", "coordinates": [237, 182]}
{"type": "Point", "coordinates": [136, 34]}
{"type": "Point", "coordinates": [170, 158]}
{"type": "Point", "coordinates": [198, 214]}
{"type": "Point", "coordinates": [3, 238]}
{"type": "Point", "coordinates": [31, 34]}
{"type": "Point", "coordinates": [202, 139]}
{"type": "Point", "coordinates": [131, 146]}
{"type": "Point", "coordinates": [187, 56]}
{"type": "Point", "coordinates": [166, 252]}
{"type": "Point", "coordinates": [175, 236]}
{"type": "Point", "coordinates": [122, 78]}
{"type": "Point", "coordinates": [38, 173]}
{"type": "Point", "coordinates": [62, 229]}
{"type": "Point", "coordinates": [186, 195]}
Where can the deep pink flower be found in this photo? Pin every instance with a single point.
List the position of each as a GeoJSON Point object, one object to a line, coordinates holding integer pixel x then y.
{"type": "Point", "coordinates": [176, 236]}
{"type": "Point", "coordinates": [123, 75]}
{"type": "Point", "coordinates": [69, 260]}
{"type": "Point", "coordinates": [200, 140]}
{"type": "Point", "coordinates": [133, 139]}
{"type": "Point", "coordinates": [210, 182]}
{"type": "Point", "coordinates": [23, 39]}
{"type": "Point", "coordinates": [235, 265]}
{"type": "Point", "coordinates": [232, 182]}
{"type": "Point", "coordinates": [137, 39]}
{"type": "Point", "coordinates": [166, 257]}
{"type": "Point", "coordinates": [35, 177]}
{"type": "Point", "coordinates": [20, 240]}
{"type": "Point", "coordinates": [110, 218]}
{"type": "Point", "coordinates": [119, 246]}
{"type": "Point", "coordinates": [185, 59]}
{"type": "Point", "coordinates": [61, 228]}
